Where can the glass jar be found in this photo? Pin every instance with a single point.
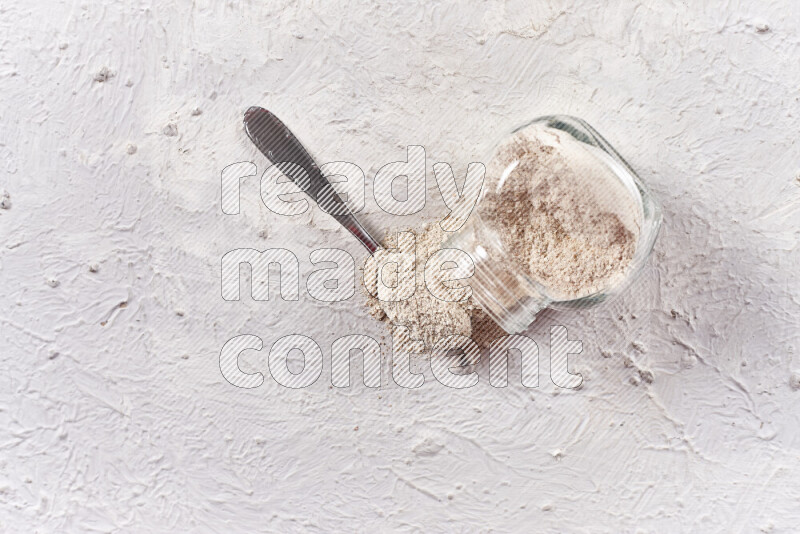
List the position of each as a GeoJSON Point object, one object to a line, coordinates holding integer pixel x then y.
{"type": "Point", "coordinates": [506, 287]}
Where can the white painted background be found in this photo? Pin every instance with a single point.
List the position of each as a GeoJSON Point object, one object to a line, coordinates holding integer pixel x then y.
{"type": "Point", "coordinates": [118, 419]}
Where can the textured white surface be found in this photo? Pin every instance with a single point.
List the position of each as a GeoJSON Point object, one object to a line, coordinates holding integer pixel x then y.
{"type": "Point", "coordinates": [117, 118]}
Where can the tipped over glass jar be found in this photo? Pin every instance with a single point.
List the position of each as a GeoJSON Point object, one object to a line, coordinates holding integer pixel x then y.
{"type": "Point", "coordinates": [562, 221]}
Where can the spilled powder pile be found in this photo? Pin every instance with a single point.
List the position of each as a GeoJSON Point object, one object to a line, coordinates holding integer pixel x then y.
{"type": "Point", "coordinates": [562, 214]}
{"type": "Point", "coordinates": [427, 317]}
{"type": "Point", "coordinates": [567, 220]}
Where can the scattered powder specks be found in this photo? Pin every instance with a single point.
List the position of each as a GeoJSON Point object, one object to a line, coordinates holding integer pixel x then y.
{"type": "Point", "coordinates": [646, 375]}
{"type": "Point", "coordinates": [103, 75]}
{"type": "Point", "coordinates": [761, 26]}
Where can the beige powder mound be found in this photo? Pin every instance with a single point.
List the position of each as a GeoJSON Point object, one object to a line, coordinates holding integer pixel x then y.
{"type": "Point", "coordinates": [428, 318]}
{"type": "Point", "coordinates": [566, 218]}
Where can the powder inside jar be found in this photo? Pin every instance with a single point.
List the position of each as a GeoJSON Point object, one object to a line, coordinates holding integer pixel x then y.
{"type": "Point", "coordinates": [562, 213]}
